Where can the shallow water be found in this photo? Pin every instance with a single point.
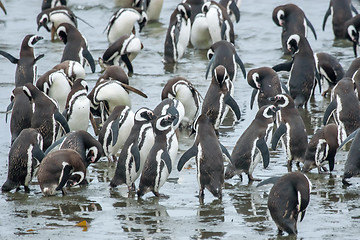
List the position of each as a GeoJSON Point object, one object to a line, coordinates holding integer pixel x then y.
{"type": "Point", "coordinates": [333, 212]}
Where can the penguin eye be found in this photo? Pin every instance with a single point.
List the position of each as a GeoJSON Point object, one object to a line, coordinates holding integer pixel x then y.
{"type": "Point", "coordinates": [210, 54]}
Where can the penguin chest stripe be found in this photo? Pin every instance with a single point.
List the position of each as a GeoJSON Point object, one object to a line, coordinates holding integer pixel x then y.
{"type": "Point", "coordinates": [320, 155]}
{"type": "Point", "coordinates": [199, 158]}
{"type": "Point", "coordinates": [159, 170]}
{"type": "Point", "coordinates": [29, 164]}
{"type": "Point", "coordinates": [129, 165]}
{"type": "Point", "coordinates": [221, 111]}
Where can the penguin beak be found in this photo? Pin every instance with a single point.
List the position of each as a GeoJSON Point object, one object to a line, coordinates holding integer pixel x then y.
{"type": "Point", "coordinates": [43, 24]}
{"type": "Point", "coordinates": [151, 115]}
{"type": "Point", "coordinates": [9, 108]}
{"type": "Point", "coordinates": [36, 39]}
{"type": "Point", "coordinates": [174, 113]}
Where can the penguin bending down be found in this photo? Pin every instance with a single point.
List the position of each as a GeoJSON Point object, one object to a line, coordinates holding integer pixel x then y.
{"type": "Point", "coordinates": [73, 69]}
{"type": "Point", "coordinates": [136, 149]}
{"type": "Point", "coordinates": [245, 155]}
{"type": "Point", "coordinates": [24, 158]}
{"type": "Point", "coordinates": [26, 65]}
{"type": "Point", "coordinates": [60, 168]}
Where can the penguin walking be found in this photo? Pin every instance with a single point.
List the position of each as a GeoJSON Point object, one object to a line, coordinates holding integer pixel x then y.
{"type": "Point", "coordinates": [178, 33]}
{"type": "Point", "coordinates": [245, 155]}
{"type": "Point", "coordinates": [115, 130]}
{"type": "Point", "coordinates": [76, 47]}
{"type": "Point", "coordinates": [52, 3]}
{"type": "Point", "coordinates": [301, 83]}
{"type": "Point", "coordinates": [158, 164]}
{"type": "Point", "coordinates": [73, 69]}
{"type": "Point", "coordinates": [26, 64]}
{"type": "Point", "coordinates": [136, 149]}
{"type": "Point", "coordinates": [24, 158]}
{"type": "Point", "coordinates": [208, 153]}
{"type": "Point", "coordinates": [266, 84]}
{"type": "Point", "coordinates": [288, 200]}
{"type": "Point", "coordinates": [58, 169]}
{"type": "Point", "coordinates": [291, 129]}
{"type": "Point", "coordinates": [341, 12]}
{"type": "Point", "coordinates": [293, 21]}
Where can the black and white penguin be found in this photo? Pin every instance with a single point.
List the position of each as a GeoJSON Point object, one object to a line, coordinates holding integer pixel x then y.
{"type": "Point", "coordinates": [329, 69]}
{"type": "Point", "coordinates": [46, 115]}
{"type": "Point", "coordinates": [60, 168]}
{"type": "Point", "coordinates": [354, 66]}
{"type": "Point", "coordinates": [351, 31]}
{"type": "Point", "coordinates": [26, 64]}
{"type": "Point", "coordinates": [301, 83]}
{"type": "Point", "coordinates": [219, 22]}
{"type": "Point", "coordinates": [122, 51]}
{"type": "Point", "coordinates": [2, 7]}
{"type": "Point", "coordinates": [322, 147]}
{"type": "Point", "coordinates": [77, 107]}
{"type": "Point", "coordinates": [346, 116]}
{"type": "Point", "coordinates": [136, 149]}
{"type": "Point", "coordinates": [245, 155]}
{"type": "Point", "coordinates": [158, 165]}
{"type": "Point", "coordinates": [73, 69]}
{"type": "Point", "coordinates": [183, 90]}
{"type": "Point", "coordinates": [123, 22]}
{"type": "Point", "coordinates": [218, 97]}
{"type": "Point", "coordinates": [200, 36]}
{"type": "Point", "coordinates": [76, 47]}
{"type": "Point", "coordinates": [208, 153]}
{"type": "Point", "coordinates": [178, 33]}
{"type": "Point", "coordinates": [293, 21]}
{"type": "Point", "coordinates": [266, 84]}
{"type": "Point", "coordinates": [233, 9]}
{"type": "Point", "coordinates": [153, 9]}
{"type": "Point", "coordinates": [341, 12]}
{"type": "Point", "coordinates": [52, 3]}
{"type": "Point", "coordinates": [195, 6]}
{"type": "Point", "coordinates": [291, 129]}
{"type": "Point", "coordinates": [224, 53]}
{"type": "Point", "coordinates": [288, 200]}
{"type": "Point", "coordinates": [24, 158]}
{"type": "Point", "coordinates": [116, 130]}
{"type": "Point", "coordinates": [114, 73]}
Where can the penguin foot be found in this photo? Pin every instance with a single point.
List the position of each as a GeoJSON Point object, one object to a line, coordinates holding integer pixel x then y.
{"type": "Point", "coordinates": [345, 183]}
{"type": "Point", "coordinates": [160, 195]}
{"type": "Point", "coordinates": [251, 178]}
{"type": "Point", "coordinates": [27, 189]}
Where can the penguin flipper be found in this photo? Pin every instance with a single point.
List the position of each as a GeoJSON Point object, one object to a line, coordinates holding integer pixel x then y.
{"type": "Point", "coordinates": [318, 78]}
{"type": "Point", "coordinates": [9, 109]}
{"type": "Point", "coordinates": [136, 154]}
{"type": "Point", "coordinates": [37, 153]}
{"type": "Point", "coordinates": [128, 64]}
{"type": "Point", "coordinates": [286, 66]}
{"type": "Point", "coordinates": [311, 27]}
{"type": "Point", "coordinates": [229, 100]}
{"type": "Point", "coordinates": [284, 87]}
{"type": "Point", "coordinates": [355, 47]}
{"type": "Point", "coordinates": [327, 14]}
{"type": "Point", "coordinates": [115, 131]}
{"type": "Point", "coordinates": [225, 151]}
{"type": "Point", "coordinates": [302, 215]}
{"type": "Point", "coordinates": [349, 138]}
{"type": "Point", "coordinates": [54, 144]}
{"type": "Point", "coordinates": [3, 8]}
{"type": "Point", "coordinates": [241, 64]}
{"type": "Point", "coordinates": [166, 158]}
{"type": "Point", "coordinates": [66, 171]}
{"type": "Point", "coordinates": [353, 9]}
{"type": "Point", "coordinates": [280, 131]}
{"type": "Point", "coordinates": [62, 121]}
{"type": "Point", "coordinates": [192, 152]}
{"type": "Point", "coordinates": [264, 150]}
{"type": "Point", "coordinates": [209, 65]}
{"type": "Point", "coordinates": [331, 163]}
{"type": "Point", "coordinates": [235, 10]}
{"type": "Point", "coordinates": [130, 88]}
{"type": "Point", "coordinates": [10, 57]}
{"type": "Point", "coordinates": [38, 58]}
{"type": "Point", "coordinates": [253, 95]}
{"type": "Point", "coordinates": [329, 111]}
{"type": "Point", "coordinates": [87, 55]}
{"type": "Point", "coordinates": [271, 180]}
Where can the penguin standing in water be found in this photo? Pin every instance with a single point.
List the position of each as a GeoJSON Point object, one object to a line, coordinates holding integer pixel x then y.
{"type": "Point", "coordinates": [301, 83]}
{"type": "Point", "coordinates": [76, 47]}
{"type": "Point", "coordinates": [178, 33]}
{"type": "Point", "coordinates": [293, 21]}
{"type": "Point", "coordinates": [208, 153]}
{"type": "Point", "coordinates": [245, 155]}
{"type": "Point", "coordinates": [158, 165]}
{"type": "Point", "coordinates": [291, 129]}
{"type": "Point", "coordinates": [24, 158]}
{"type": "Point", "coordinates": [135, 151]}
{"type": "Point", "coordinates": [26, 64]}
{"type": "Point", "coordinates": [288, 200]}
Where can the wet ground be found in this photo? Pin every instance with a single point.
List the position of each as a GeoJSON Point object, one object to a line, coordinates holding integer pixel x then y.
{"type": "Point", "coordinates": [333, 212]}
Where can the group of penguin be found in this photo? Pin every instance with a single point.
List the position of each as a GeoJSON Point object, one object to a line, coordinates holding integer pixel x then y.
{"type": "Point", "coordinates": [50, 115]}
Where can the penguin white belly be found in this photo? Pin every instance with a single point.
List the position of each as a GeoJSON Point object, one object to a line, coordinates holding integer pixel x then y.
{"type": "Point", "coordinates": [214, 23]}
{"type": "Point", "coordinates": [79, 118]}
{"type": "Point", "coordinates": [115, 95]}
{"type": "Point", "coordinates": [131, 174]}
{"type": "Point", "coordinates": [154, 9]}
{"type": "Point", "coordinates": [59, 89]}
{"type": "Point", "coordinates": [255, 157]}
{"type": "Point", "coordinates": [199, 158]}
{"type": "Point", "coordinates": [124, 131]}
{"type": "Point", "coordinates": [173, 147]}
{"type": "Point", "coordinates": [184, 37]}
{"type": "Point", "coordinates": [124, 24]}
{"type": "Point", "coordinates": [146, 144]}
{"type": "Point", "coordinates": [162, 172]}
{"type": "Point", "coordinates": [200, 35]}
{"type": "Point", "coordinates": [185, 96]}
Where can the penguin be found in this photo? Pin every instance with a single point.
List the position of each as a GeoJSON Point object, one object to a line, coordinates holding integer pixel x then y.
{"type": "Point", "coordinates": [158, 164]}
{"type": "Point", "coordinates": [116, 130]}
{"type": "Point", "coordinates": [52, 3]}
{"type": "Point", "coordinates": [178, 33]}
{"type": "Point", "coordinates": [245, 155]}
{"type": "Point", "coordinates": [21, 112]}
{"type": "Point", "coordinates": [291, 129]}
{"type": "Point", "coordinates": [77, 108]}
{"type": "Point", "coordinates": [196, 8]}
{"type": "Point", "coordinates": [73, 69]}
{"type": "Point", "coordinates": [329, 69]}
{"type": "Point", "coordinates": [55, 16]}
{"type": "Point", "coordinates": [232, 7]}
{"type": "Point", "coordinates": [346, 116]}
{"type": "Point", "coordinates": [219, 22]}
{"type": "Point", "coordinates": [341, 12]}
{"type": "Point", "coordinates": [266, 84]}
{"type": "Point", "coordinates": [322, 147]}
{"type": "Point", "coordinates": [218, 96]}
{"type": "Point", "coordinates": [123, 22]}
{"type": "Point", "coordinates": [114, 73]}
{"type": "Point", "coordinates": [56, 85]}
{"type": "Point", "coordinates": [183, 90]}
{"type": "Point", "coordinates": [24, 158]}
{"type": "Point", "coordinates": [153, 9]}
{"type": "Point", "coordinates": [293, 21]}
{"type": "Point", "coordinates": [76, 47]}
{"type": "Point", "coordinates": [224, 53]}
{"type": "Point", "coordinates": [301, 83]}
{"type": "Point", "coordinates": [351, 31]}
{"type": "Point", "coordinates": [208, 153]}
{"type": "Point", "coordinates": [2, 7]}
{"type": "Point", "coordinates": [200, 36]}
{"type": "Point", "coordinates": [60, 168]}
{"type": "Point", "coordinates": [288, 200]}
{"type": "Point", "coordinates": [46, 115]}
{"type": "Point", "coordinates": [136, 149]}
{"type": "Point", "coordinates": [354, 66]}
{"type": "Point", "coordinates": [26, 64]}
{"type": "Point", "coordinates": [83, 143]}
{"type": "Point", "coordinates": [123, 50]}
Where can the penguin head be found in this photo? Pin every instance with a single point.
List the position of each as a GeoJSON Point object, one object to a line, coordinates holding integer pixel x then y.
{"type": "Point", "coordinates": [144, 115]}
{"type": "Point", "coordinates": [205, 7]}
{"type": "Point", "coordinates": [164, 122]}
{"type": "Point", "coordinates": [293, 43]}
{"type": "Point", "coordinates": [62, 32]}
{"type": "Point", "coordinates": [142, 20]}
{"type": "Point", "coordinates": [185, 10]}
{"type": "Point", "coordinates": [352, 34]}
{"type": "Point", "coordinates": [33, 39]}
{"type": "Point", "coordinates": [279, 15]}
{"type": "Point", "coordinates": [268, 111]}
{"type": "Point", "coordinates": [281, 100]}
{"type": "Point", "coordinates": [253, 79]}
{"type": "Point", "coordinates": [43, 21]}
{"type": "Point", "coordinates": [93, 154]}
{"type": "Point", "coordinates": [221, 75]}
